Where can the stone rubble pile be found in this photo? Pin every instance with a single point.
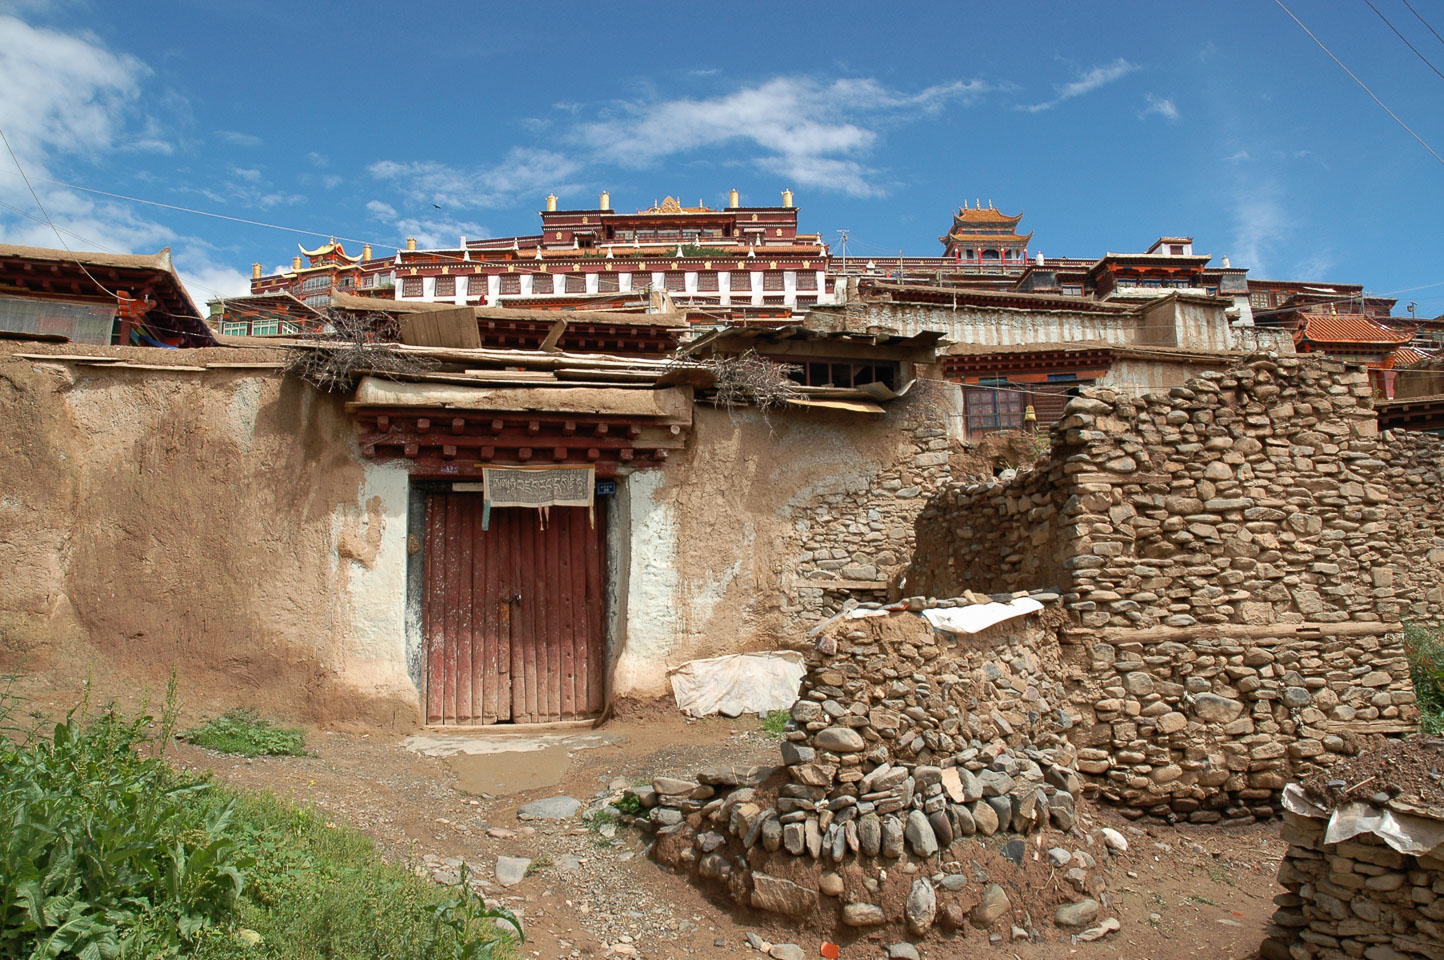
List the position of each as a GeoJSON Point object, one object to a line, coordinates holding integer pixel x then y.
{"type": "Point", "coordinates": [1357, 898]}
{"type": "Point", "coordinates": [911, 757]}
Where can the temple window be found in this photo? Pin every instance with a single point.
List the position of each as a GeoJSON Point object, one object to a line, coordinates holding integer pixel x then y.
{"type": "Point", "coordinates": [411, 287]}
{"type": "Point", "coordinates": [772, 280]}
{"type": "Point", "coordinates": [511, 284]}
{"type": "Point", "coordinates": [676, 282]}
{"type": "Point", "coordinates": [741, 280]}
{"type": "Point", "coordinates": [806, 280]}
{"type": "Point", "coordinates": [576, 284]}
{"type": "Point", "coordinates": [707, 282]}
{"type": "Point", "coordinates": [607, 283]}
{"type": "Point", "coordinates": [445, 286]}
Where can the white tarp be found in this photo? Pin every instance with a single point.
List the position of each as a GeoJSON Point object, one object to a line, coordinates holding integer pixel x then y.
{"type": "Point", "coordinates": [739, 683]}
{"type": "Point", "coordinates": [1405, 833]}
{"type": "Point", "coordinates": [979, 616]}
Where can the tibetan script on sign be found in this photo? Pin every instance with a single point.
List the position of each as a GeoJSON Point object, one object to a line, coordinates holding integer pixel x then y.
{"type": "Point", "coordinates": [542, 487]}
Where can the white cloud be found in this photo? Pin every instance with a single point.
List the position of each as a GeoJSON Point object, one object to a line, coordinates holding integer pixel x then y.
{"type": "Point", "coordinates": [205, 280]}
{"type": "Point", "coordinates": [1260, 225]}
{"type": "Point", "coordinates": [317, 159]}
{"type": "Point", "coordinates": [1099, 76]}
{"type": "Point", "coordinates": [381, 210]}
{"type": "Point", "coordinates": [62, 92]}
{"type": "Point", "coordinates": [523, 171]}
{"type": "Point", "coordinates": [1238, 157]}
{"type": "Point", "coordinates": [809, 130]}
{"type": "Point", "coordinates": [1161, 106]}
{"type": "Point", "coordinates": [440, 233]}
{"type": "Point", "coordinates": [239, 139]}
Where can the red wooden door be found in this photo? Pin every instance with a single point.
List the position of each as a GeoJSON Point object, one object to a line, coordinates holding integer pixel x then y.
{"type": "Point", "coordinates": [512, 615]}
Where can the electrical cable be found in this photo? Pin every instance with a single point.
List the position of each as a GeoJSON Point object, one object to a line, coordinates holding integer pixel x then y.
{"type": "Point", "coordinates": [1423, 21]}
{"type": "Point", "coordinates": [1362, 84]}
{"type": "Point", "coordinates": [46, 213]}
{"type": "Point", "coordinates": [1405, 39]}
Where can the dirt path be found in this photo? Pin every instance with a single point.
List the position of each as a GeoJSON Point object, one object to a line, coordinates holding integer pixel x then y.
{"type": "Point", "coordinates": [1186, 891]}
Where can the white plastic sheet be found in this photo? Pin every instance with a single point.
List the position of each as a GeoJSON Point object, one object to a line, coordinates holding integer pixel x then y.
{"type": "Point", "coordinates": [979, 616]}
{"type": "Point", "coordinates": [1404, 832]}
{"type": "Point", "coordinates": [739, 683]}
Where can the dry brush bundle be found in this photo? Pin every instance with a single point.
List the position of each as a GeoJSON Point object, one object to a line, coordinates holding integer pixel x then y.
{"type": "Point", "coordinates": [748, 379]}
{"type": "Point", "coordinates": [355, 346]}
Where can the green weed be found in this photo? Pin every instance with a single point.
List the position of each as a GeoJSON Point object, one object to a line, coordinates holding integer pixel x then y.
{"type": "Point", "coordinates": [774, 724]}
{"type": "Point", "coordinates": [1425, 649]}
{"type": "Point", "coordinates": [106, 852]}
{"type": "Point", "coordinates": [538, 864]}
{"type": "Point", "coordinates": [243, 731]}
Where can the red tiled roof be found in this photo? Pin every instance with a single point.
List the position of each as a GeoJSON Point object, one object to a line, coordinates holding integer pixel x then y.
{"type": "Point", "coordinates": [974, 215]}
{"type": "Point", "coordinates": [1347, 328]}
{"type": "Point", "coordinates": [1407, 356]}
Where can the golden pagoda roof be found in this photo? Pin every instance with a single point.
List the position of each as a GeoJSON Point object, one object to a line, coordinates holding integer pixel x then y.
{"type": "Point", "coordinates": [989, 215]}
{"type": "Point", "coordinates": [325, 248]}
{"type": "Point", "coordinates": [673, 205]}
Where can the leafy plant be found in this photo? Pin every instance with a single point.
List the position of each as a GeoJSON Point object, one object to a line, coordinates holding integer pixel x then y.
{"type": "Point", "coordinates": [629, 804]}
{"type": "Point", "coordinates": [774, 724]}
{"type": "Point", "coordinates": [102, 849]}
{"type": "Point", "coordinates": [245, 732]}
{"type": "Point", "coordinates": [1424, 647]}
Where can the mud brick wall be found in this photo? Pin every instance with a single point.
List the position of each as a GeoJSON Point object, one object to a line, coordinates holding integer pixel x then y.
{"type": "Point", "coordinates": [1209, 724]}
{"type": "Point", "coordinates": [1357, 898]}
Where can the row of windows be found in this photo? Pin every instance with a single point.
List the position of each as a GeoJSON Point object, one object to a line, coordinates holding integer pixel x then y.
{"type": "Point", "coordinates": [675, 282]}
{"type": "Point", "coordinates": [258, 328]}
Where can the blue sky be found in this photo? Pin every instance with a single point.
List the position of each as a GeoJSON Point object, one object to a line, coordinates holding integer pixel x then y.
{"type": "Point", "coordinates": [1109, 124]}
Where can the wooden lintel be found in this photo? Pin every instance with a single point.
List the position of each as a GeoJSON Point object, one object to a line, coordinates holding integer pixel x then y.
{"type": "Point", "coordinates": [423, 424]}
{"type": "Point", "coordinates": [411, 450]}
{"type": "Point", "coordinates": [569, 427]}
{"type": "Point", "coordinates": [593, 453]}
{"type": "Point", "coordinates": [523, 453]}
{"type": "Point", "coordinates": [559, 453]}
{"type": "Point", "coordinates": [383, 423]}
{"type": "Point", "coordinates": [496, 426]}
{"type": "Point", "coordinates": [458, 424]}
{"type": "Point", "coordinates": [533, 426]}
{"type": "Point", "coordinates": [488, 453]}
{"type": "Point", "coordinates": [625, 453]}
{"type": "Point", "coordinates": [448, 451]}
{"type": "Point", "coordinates": [601, 429]}
{"type": "Point", "coordinates": [634, 430]}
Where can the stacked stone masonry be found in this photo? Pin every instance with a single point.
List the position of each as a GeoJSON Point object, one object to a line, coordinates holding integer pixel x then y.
{"type": "Point", "coordinates": [1356, 898]}
{"type": "Point", "coordinates": [1237, 557]}
{"type": "Point", "coordinates": [911, 758]}
{"type": "Point", "coordinates": [854, 534]}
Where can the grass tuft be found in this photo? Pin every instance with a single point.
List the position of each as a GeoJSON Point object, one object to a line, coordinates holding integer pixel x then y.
{"type": "Point", "coordinates": [774, 724]}
{"type": "Point", "coordinates": [1424, 647]}
{"type": "Point", "coordinates": [242, 731]}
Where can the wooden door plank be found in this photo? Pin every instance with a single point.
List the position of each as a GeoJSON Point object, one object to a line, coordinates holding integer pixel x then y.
{"type": "Point", "coordinates": [567, 610]}
{"type": "Point", "coordinates": [465, 506]}
{"type": "Point", "coordinates": [434, 560]}
{"type": "Point", "coordinates": [549, 652]}
{"type": "Point", "coordinates": [530, 602]}
{"type": "Point", "coordinates": [517, 532]}
{"type": "Point", "coordinates": [452, 601]}
{"type": "Point", "coordinates": [484, 597]}
{"type": "Point", "coordinates": [596, 654]}
{"type": "Point", "coordinates": [503, 544]}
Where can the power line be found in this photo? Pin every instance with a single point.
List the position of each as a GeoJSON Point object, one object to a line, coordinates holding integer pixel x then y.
{"type": "Point", "coordinates": [1405, 39]}
{"type": "Point", "coordinates": [1365, 86]}
{"type": "Point", "coordinates": [1423, 21]}
{"type": "Point", "coordinates": [46, 213]}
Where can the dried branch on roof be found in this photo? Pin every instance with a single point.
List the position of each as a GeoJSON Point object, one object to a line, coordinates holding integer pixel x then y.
{"type": "Point", "coordinates": [358, 345]}
{"type": "Point", "coordinates": [751, 380]}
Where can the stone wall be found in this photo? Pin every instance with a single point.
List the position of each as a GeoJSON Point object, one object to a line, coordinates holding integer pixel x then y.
{"type": "Point", "coordinates": [910, 754]}
{"type": "Point", "coordinates": [1378, 891]}
{"type": "Point", "coordinates": [855, 532]}
{"type": "Point", "coordinates": [1210, 724]}
{"type": "Point", "coordinates": [1237, 556]}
